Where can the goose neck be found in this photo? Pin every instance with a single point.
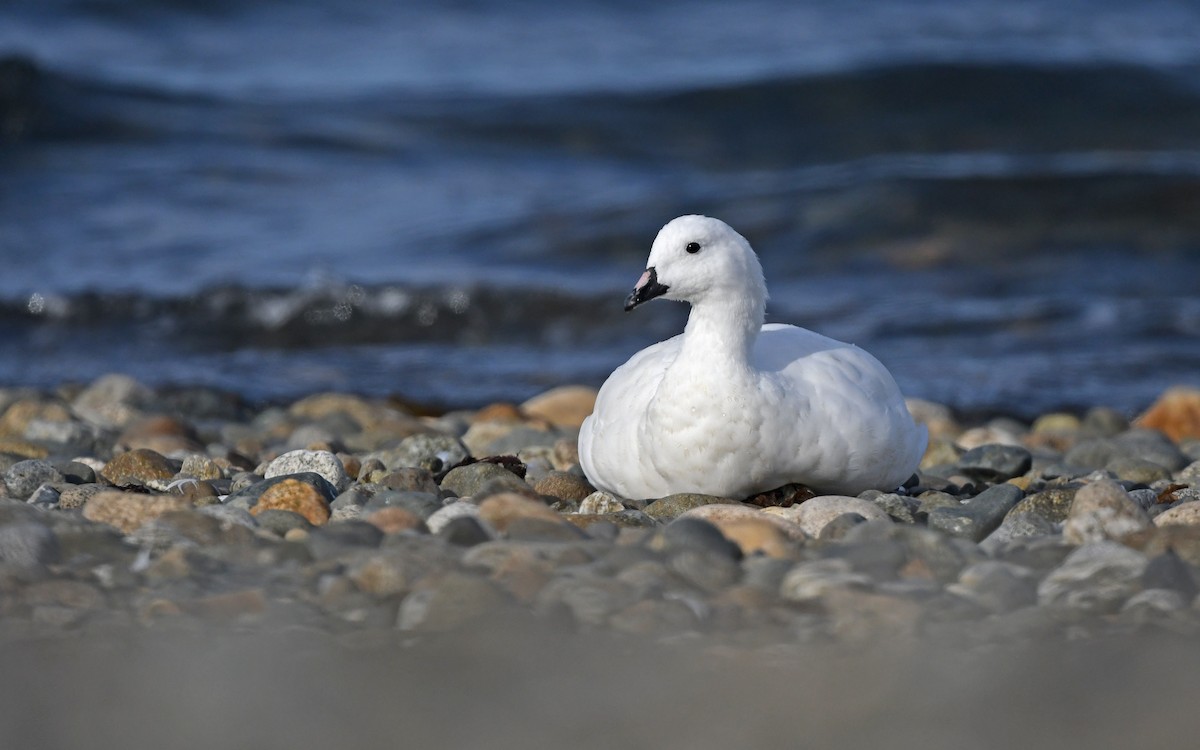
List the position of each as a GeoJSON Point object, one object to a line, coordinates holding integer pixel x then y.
{"type": "Point", "coordinates": [723, 330]}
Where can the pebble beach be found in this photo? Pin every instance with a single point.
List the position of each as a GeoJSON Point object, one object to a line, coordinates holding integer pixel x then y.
{"type": "Point", "coordinates": [187, 523]}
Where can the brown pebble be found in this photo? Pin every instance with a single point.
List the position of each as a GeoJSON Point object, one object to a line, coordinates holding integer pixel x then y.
{"type": "Point", "coordinates": [22, 448]}
{"type": "Point", "coordinates": [138, 468]}
{"type": "Point", "coordinates": [1176, 413]}
{"type": "Point", "coordinates": [565, 406]}
{"type": "Point", "coordinates": [498, 412]}
{"type": "Point", "coordinates": [503, 508]}
{"type": "Point", "coordinates": [564, 486]}
{"type": "Point", "coordinates": [296, 496]}
{"type": "Point", "coordinates": [127, 511]}
{"type": "Point", "coordinates": [394, 520]}
{"type": "Point", "coordinates": [161, 434]}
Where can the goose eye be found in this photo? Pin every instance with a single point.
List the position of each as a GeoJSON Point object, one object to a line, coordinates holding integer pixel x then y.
{"type": "Point", "coordinates": [693, 247]}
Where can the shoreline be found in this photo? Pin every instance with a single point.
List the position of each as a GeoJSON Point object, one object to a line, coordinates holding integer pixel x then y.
{"type": "Point", "coordinates": [342, 546]}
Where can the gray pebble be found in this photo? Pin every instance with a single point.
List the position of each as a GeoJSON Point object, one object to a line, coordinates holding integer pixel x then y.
{"type": "Point", "coordinates": [899, 507]}
{"type": "Point", "coordinates": [324, 463]}
{"type": "Point", "coordinates": [979, 516]}
{"type": "Point", "coordinates": [449, 601]}
{"type": "Point", "coordinates": [995, 462]}
{"type": "Point", "coordinates": [702, 536]}
{"type": "Point", "coordinates": [464, 531]}
{"type": "Point", "coordinates": [23, 477]}
{"type": "Point", "coordinates": [27, 544]}
{"type": "Point", "coordinates": [1167, 571]}
{"type": "Point", "coordinates": [1096, 578]}
{"type": "Point", "coordinates": [809, 581]}
{"type": "Point", "coordinates": [422, 504]}
{"type": "Point", "coordinates": [45, 496]}
{"type": "Point", "coordinates": [673, 506]}
{"type": "Point", "coordinates": [247, 498]}
{"type": "Point", "coordinates": [426, 452]}
{"type": "Point", "coordinates": [998, 586]}
{"type": "Point", "coordinates": [469, 481]}
{"type": "Point", "coordinates": [282, 521]}
{"type": "Point", "coordinates": [229, 515]}
{"type": "Point", "coordinates": [1102, 510]}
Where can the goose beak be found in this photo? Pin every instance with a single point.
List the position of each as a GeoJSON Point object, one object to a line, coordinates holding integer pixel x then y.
{"type": "Point", "coordinates": [647, 288]}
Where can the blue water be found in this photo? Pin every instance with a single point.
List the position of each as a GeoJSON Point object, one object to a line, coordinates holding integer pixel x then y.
{"type": "Point", "coordinates": [448, 201]}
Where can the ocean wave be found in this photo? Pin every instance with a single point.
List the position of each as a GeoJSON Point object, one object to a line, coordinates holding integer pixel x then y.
{"type": "Point", "coordinates": [900, 108]}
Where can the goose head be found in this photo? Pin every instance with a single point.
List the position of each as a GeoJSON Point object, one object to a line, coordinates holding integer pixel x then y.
{"type": "Point", "coordinates": [697, 258]}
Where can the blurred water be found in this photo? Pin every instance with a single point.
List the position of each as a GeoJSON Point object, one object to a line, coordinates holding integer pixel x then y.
{"type": "Point", "coordinates": [999, 199]}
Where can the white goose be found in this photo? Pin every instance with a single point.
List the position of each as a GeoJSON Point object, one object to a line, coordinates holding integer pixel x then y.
{"type": "Point", "coordinates": [732, 407]}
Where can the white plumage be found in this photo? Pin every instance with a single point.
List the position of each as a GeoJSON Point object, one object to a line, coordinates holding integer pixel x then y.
{"type": "Point", "coordinates": [732, 407]}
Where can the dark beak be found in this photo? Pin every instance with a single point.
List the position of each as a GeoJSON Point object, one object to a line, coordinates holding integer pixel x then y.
{"type": "Point", "coordinates": [647, 289]}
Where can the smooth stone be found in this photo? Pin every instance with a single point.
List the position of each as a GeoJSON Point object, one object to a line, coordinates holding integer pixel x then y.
{"type": "Point", "coordinates": [997, 586]}
{"type": "Point", "coordinates": [1167, 571]}
{"type": "Point", "coordinates": [449, 601]}
{"type": "Point", "coordinates": [654, 617]}
{"type": "Point", "coordinates": [1189, 474]}
{"type": "Point", "coordinates": [1137, 469]}
{"type": "Point", "coordinates": [280, 522]}
{"type": "Point", "coordinates": [900, 508]}
{"type": "Point", "coordinates": [995, 463]}
{"type": "Point", "coordinates": [1151, 445]}
{"type": "Point", "coordinates": [410, 479]}
{"type": "Point", "coordinates": [630, 518]}
{"type": "Point", "coordinates": [229, 515]}
{"type": "Point", "coordinates": [347, 538]}
{"type": "Point", "coordinates": [600, 502]}
{"type": "Point", "coordinates": [565, 486]}
{"type": "Point", "coordinates": [45, 496]}
{"type": "Point", "coordinates": [422, 504]}
{"type": "Point", "coordinates": [931, 500]}
{"type": "Point", "coordinates": [199, 466]}
{"type": "Point", "coordinates": [193, 527]}
{"type": "Point", "coordinates": [434, 452]}
{"type": "Point", "coordinates": [702, 536]}
{"type": "Point", "coordinates": [112, 400]}
{"type": "Point", "coordinates": [467, 481]}
{"type": "Point", "coordinates": [565, 406]}
{"type": "Point", "coordinates": [449, 512]}
{"type": "Point", "coordinates": [127, 511]}
{"type": "Point", "coordinates": [396, 520]}
{"type": "Point", "coordinates": [1018, 526]}
{"type": "Point", "coordinates": [518, 439]}
{"type": "Point", "coordinates": [708, 571]}
{"type": "Point", "coordinates": [1096, 578]}
{"type": "Point", "coordinates": [812, 580]}
{"type": "Point", "coordinates": [357, 497]}
{"type": "Point", "coordinates": [28, 544]}
{"type": "Point", "coordinates": [1102, 510]}
{"type": "Point", "coordinates": [23, 477]}
{"type": "Point", "coordinates": [722, 515]}
{"type": "Point", "coordinates": [297, 496]}
{"type": "Point", "coordinates": [1050, 505]}
{"type": "Point", "coordinates": [1154, 605]}
{"type": "Point", "coordinates": [838, 528]}
{"type": "Point", "coordinates": [76, 472]}
{"type": "Point", "coordinates": [324, 463]}
{"type": "Point", "coordinates": [590, 600]}
{"type": "Point", "coordinates": [673, 506]}
{"type": "Point", "coordinates": [247, 497]}
{"type": "Point", "coordinates": [1185, 514]}
{"type": "Point", "coordinates": [1176, 413]}
{"type": "Point", "coordinates": [813, 514]}
{"type": "Point", "coordinates": [886, 551]}
{"type": "Point", "coordinates": [464, 531]}
{"type": "Point", "coordinates": [501, 510]}
{"type": "Point", "coordinates": [978, 516]}
{"type": "Point", "coordinates": [543, 530]}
